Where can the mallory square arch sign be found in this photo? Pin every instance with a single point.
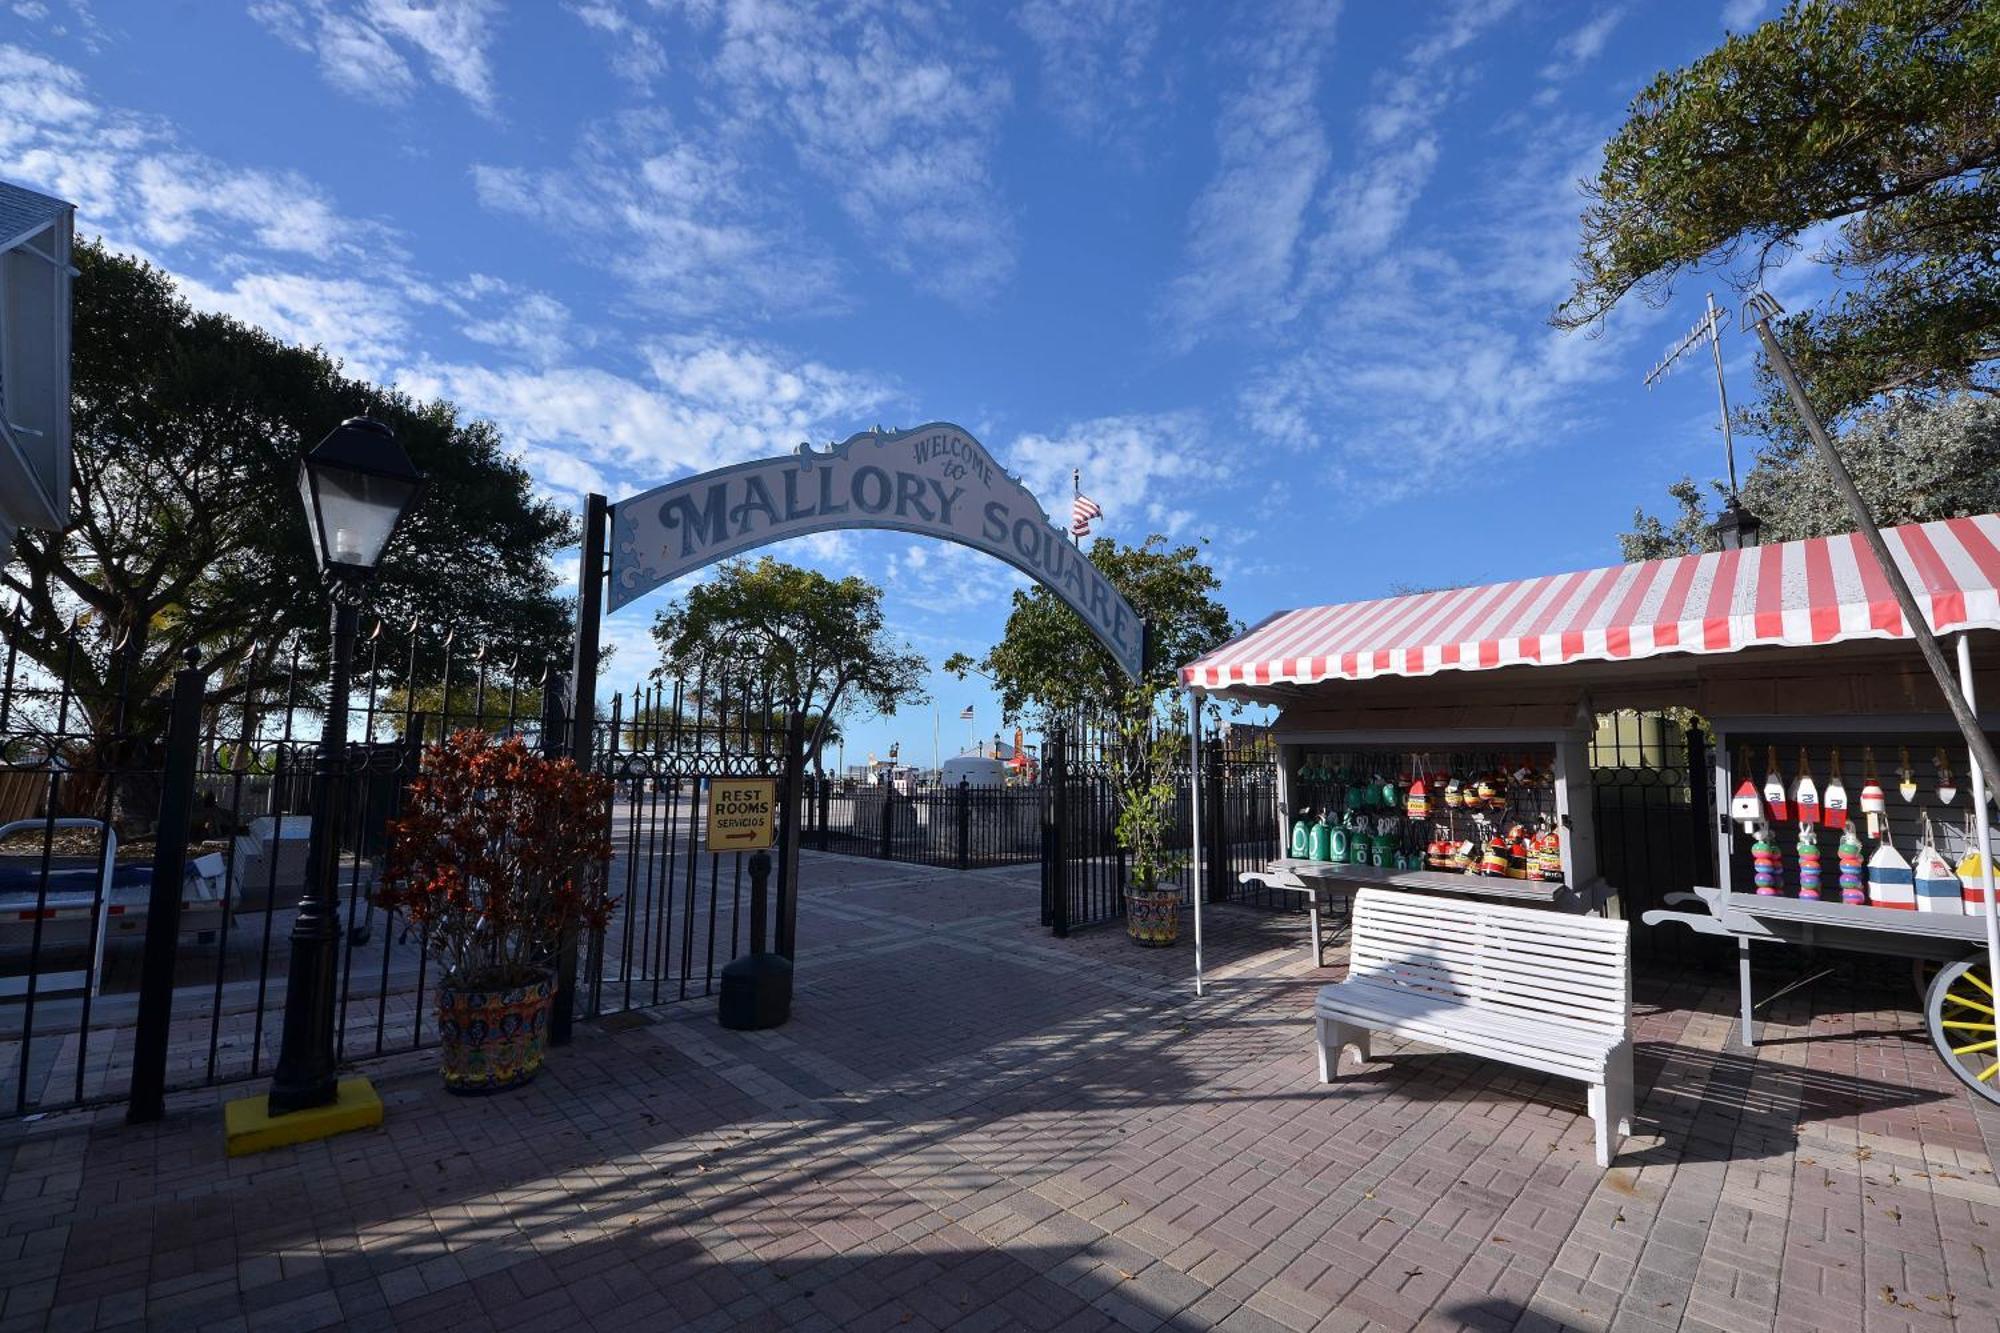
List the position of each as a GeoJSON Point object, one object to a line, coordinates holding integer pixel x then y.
{"type": "Point", "coordinates": [934, 481]}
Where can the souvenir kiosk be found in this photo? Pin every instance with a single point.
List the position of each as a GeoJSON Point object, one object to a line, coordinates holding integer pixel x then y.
{"type": "Point", "coordinates": [1790, 651]}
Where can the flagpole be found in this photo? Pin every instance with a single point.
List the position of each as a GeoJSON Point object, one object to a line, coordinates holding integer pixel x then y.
{"type": "Point", "coordinates": [937, 769]}
{"type": "Point", "coordinates": [1075, 493]}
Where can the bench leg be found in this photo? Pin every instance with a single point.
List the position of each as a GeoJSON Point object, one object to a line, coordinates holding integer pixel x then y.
{"type": "Point", "coordinates": [1332, 1037]}
{"type": "Point", "coordinates": [1600, 1119]}
{"type": "Point", "coordinates": [1611, 1105]}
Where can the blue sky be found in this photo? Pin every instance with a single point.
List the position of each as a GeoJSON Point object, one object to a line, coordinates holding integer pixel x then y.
{"type": "Point", "coordinates": [1274, 277]}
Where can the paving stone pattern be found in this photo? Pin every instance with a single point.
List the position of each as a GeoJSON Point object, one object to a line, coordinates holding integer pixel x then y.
{"type": "Point", "coordinates": [971, 1125]}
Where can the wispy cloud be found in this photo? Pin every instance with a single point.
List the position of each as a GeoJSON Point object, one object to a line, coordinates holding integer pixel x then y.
{"type": "Point", "coordinates": [896, 110]}
{"type": "Point", "coordinates": [1098, 73]}
{"type": "Point", "coordinates": [673, 214]}
{"type": "Point", "coordinates": [702, 401]}
{"type": "Point", "coordinates": [361, 44]}
{"type": "Point", "coordinates": [1581, 45]}
{"type": "Point", "coordinates": [1743, 15]}
{"type": "Point", "coordinates": [1150, 471]}
{"type": "Point", "coordinates": [1243, 265]}
{"type": "Point", "coordinates": [636, 55]}
{"type": "Point", "coordinates": [132, 178]}
{"type": "Point", "coordinates": [1425, 362]}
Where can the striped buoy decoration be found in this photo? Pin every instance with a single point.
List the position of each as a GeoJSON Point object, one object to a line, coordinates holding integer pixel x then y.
{"type": "Point", "coordinates": [1809, 863]}
{"type": "Point", "coordinates": [1767, 863]}
{"type": "Point", "coordinates": [1850, 869]}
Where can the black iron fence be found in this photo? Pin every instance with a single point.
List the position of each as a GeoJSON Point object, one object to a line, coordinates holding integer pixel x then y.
{"type": "Point", "coordinates": [95, 751]}
{"type": "Point", "coordinates": [958, 826]}
{"type": "Point", "coordinates": [1084, 869]}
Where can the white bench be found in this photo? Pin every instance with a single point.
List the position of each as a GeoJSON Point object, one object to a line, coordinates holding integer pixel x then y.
{"type": "Point", "coordinates": [1542, 990]}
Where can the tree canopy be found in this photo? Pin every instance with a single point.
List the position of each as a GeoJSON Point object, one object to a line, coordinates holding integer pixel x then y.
{"type": "Point", "coordinates": [188, 531]}
{"type": "Point", "coordinates": [808, 638]}
{"type": "Point", "coordinates": [1048, 661]}
{"type": "Point", "coordinates": [1912, 462]}
{"type": "Point", "coordinates": [1869, 128]}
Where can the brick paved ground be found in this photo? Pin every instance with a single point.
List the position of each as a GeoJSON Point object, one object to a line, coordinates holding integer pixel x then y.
{"type": "Point", "coordinates": [971, 1125]}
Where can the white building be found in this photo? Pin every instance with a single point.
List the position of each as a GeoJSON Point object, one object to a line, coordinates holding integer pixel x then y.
{"type": "Point", "coordinates": [35, 272]}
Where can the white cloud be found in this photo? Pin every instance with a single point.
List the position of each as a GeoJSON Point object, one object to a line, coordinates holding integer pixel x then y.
{"type": "Point", "coordinates": [1743, 15]}
{"type": "Point", "coordinates": [1244, 228]}
{"type": "Point", "coordinates": [895, 109]}
{"type": "Point", "coordinates": [1149, 471]}
{"type": "Point", "coordinates": [1581, 45]}
{"type": "Point", "coordinates": [1097, 68]}
{"type": "Point", "coordinates": [932, 578]}
{"type": "Point", "coordinates": [132, 180]}
{"type": "Point", "coordinates": [672, 215]}
{"type": "Point", "coordinates": [359, 43]}
{"type": "Point", "coordinates": [636, 54]}
{"type": "Point", "coordinates": [363, 324]}
{"type": "Point", "coordinates": [1368, 206]}
{"type": "Point", "coordinates": [532, 325]}
{"type": "Point", "coordinates": [704, 402]}
{"type": "Point", "coordinates": [1425, 364]}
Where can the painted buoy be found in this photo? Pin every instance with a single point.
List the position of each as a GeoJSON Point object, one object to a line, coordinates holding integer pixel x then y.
{"type": "Point", "coordinates": [1774, 786]}
{"type": "Point", "coordinates": [1833, 809]}
{"type": "Point", "coordinates": [1890, 881]}
{"type": "Point", "coordinates": [1936, 884]}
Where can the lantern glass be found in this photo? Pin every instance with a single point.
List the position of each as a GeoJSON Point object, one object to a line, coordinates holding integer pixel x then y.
{"type": "Point", "coordinates": [357, 484]}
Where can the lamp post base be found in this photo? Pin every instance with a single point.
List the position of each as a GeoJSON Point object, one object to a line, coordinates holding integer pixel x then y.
{"type": "Point", "coordinates": [756, 992]}
{"type": "Point", "coordinates": [251, 1124]}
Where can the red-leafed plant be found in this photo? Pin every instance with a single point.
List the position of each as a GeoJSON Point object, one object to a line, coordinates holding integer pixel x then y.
{"type": "Point", "coordinates": [499, 852]}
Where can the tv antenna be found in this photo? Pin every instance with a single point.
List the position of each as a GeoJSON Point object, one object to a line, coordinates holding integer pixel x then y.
{"type": "Point", "coordinates": [1709, 327]}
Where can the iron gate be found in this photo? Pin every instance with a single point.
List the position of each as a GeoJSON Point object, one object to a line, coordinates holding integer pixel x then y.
{"type": "Point", "coordinates": [1083, 867]}
{"type": "Point", "coordinates": [1653, 803]}
{"type": "Point", "coordinates": [681, 909]}
{"type": "Point", "coordinates": [85, 777]}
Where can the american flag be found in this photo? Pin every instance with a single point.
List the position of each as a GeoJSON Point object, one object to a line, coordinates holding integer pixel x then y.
{"type": "Point", "coordinates": [966, 714]}
{"type": "Point", "coordinates": [1081, 511]}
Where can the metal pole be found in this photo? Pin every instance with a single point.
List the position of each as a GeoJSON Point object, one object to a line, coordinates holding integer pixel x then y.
{"type": "Point", "coordinates": [305, 1076]}
{"type": "Point", "coordinates": [1194, 817]}
{"type": "Point", "coordinates": [163, 911]}
{"type": "Point", "coordinates": [1981, 820]}
{"type": "Point", "coordinates": [582, 723]}
{"type": "Point", "coordinates": [1722, 392]}
{"type": "Point", "coordinates": [1913, 616]}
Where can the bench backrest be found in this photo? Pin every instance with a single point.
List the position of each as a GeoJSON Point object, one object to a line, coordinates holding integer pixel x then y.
{"type": "Point", "coordinates": [1515, 960]}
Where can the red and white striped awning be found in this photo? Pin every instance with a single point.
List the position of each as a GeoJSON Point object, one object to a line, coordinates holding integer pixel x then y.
{"type": "Point", "coordinates": [1821, 590]}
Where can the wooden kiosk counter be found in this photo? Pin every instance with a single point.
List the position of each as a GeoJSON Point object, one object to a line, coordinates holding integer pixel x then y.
{"type": "Point", "coordinates": [1793, 654]}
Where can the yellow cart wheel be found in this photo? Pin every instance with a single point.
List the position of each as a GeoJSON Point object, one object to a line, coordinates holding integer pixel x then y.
{"type": "Point", "coordinates": [1964, 1023]}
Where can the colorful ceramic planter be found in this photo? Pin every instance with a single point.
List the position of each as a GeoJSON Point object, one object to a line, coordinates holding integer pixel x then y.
{"type": "Point", "coordinates": [490, 1039]}
{"type": "Point", "coordinates": [1154, 918]}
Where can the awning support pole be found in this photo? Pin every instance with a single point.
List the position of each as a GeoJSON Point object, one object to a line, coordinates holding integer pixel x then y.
{"type": "Point", "coordinates": [1982, 822]}
{"type": "Point", "coordinates": [1194, 814]}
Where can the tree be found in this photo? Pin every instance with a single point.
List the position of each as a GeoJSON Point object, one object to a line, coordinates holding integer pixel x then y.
{"type": "Point", "coordinates": [1048, 661]}
{"type": "Point", "coordinates": [803, 638]}
{"type": "Point", "coordinates": [1912, 461]}
{"type": "Point", "coordinates": [188, 532]}
{"type": "Point", "coordinates": [1874, 121]}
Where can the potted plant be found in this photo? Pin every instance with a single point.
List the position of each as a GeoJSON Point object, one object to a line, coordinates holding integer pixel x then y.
{"type": "Point", "coordinates": [1144, 779]}
{"type": "Point", "coordinates": [498, 856]}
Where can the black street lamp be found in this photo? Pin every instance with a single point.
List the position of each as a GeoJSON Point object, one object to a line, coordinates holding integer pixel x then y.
{"type": "Point", "coordinates": [357, 484]}
{"type": "Point", "coordinates": [1737, 527]}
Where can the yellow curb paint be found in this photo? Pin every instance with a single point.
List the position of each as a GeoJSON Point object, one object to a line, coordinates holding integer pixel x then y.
{"type": "Point", "coordinates": [248, 1125]}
